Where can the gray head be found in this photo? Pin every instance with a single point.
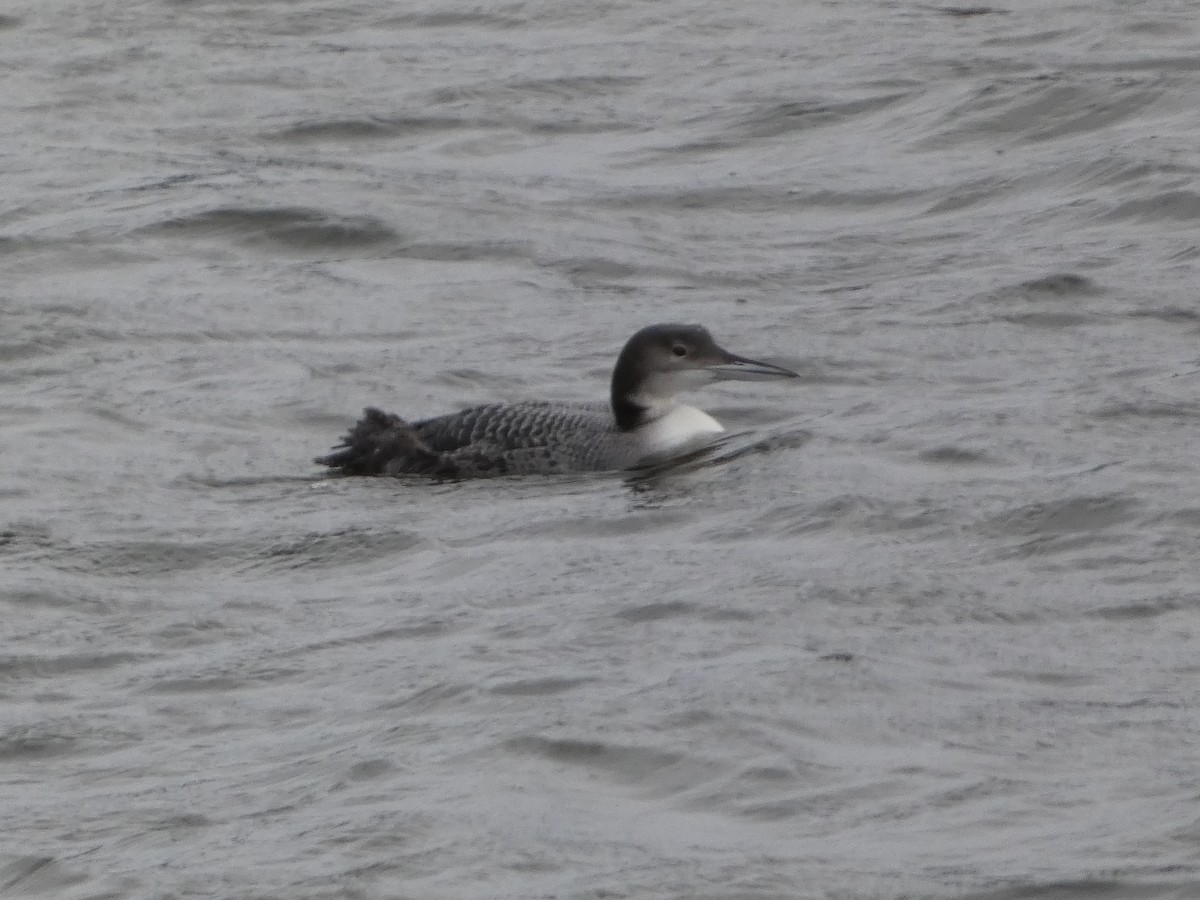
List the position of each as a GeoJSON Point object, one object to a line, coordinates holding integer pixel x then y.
{"type": "Point", "coordinates": [662, 360]}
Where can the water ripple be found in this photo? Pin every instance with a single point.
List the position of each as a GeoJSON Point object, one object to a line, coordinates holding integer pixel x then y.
{"type": "Point", "coordinates": [290, 228]}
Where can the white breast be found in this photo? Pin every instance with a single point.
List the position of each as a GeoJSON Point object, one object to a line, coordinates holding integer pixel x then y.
{"type": "Point", "coordinates": [676, 428]}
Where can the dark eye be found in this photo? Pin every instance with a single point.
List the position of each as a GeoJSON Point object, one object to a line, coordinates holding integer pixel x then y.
{"type": "Point", "coordinates": [679, 350]}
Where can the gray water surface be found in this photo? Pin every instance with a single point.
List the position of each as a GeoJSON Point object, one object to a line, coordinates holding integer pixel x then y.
{"type": "Point", "coordinates": [928, 629]}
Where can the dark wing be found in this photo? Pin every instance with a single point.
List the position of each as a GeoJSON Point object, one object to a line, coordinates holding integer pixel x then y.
{"type": "Point", "coordinates": [516, 426]}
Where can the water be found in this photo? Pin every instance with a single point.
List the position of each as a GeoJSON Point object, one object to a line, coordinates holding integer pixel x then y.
{"type": "Point", "coordinates": [928, 631]}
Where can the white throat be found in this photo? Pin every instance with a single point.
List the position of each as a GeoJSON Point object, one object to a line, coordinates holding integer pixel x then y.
{"type": "Point", "coordinates": [674, 426]}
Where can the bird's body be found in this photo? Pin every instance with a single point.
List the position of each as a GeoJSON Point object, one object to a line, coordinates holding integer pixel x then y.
{"type": "Point", "coordinates": [642, 423]}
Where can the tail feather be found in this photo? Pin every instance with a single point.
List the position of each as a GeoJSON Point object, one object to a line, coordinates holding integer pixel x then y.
{"type": "Point", "coordinates": [384, 444]}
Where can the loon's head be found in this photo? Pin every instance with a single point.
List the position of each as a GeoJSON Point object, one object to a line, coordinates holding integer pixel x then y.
{"type": "Point", "coordinates": [661, 360]}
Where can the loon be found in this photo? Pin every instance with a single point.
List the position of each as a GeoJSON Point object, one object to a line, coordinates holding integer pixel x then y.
{"type": "Point", "coordinates": [642, 423]}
